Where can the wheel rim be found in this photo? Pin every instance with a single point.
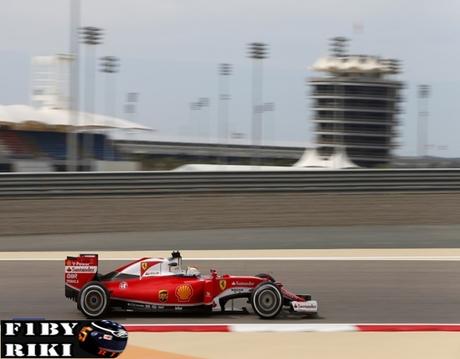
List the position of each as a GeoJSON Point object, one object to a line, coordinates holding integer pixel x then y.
{"type": "Point", "coordinates": [267, 301]}
{"type": "Point", "coordinates": [94, 301]}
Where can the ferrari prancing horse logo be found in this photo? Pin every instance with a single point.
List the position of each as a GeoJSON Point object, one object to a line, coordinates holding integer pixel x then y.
{"type": "Point", "coordinates": [222, 284]}
{"type": "Point", "coordinates": [146, 265]}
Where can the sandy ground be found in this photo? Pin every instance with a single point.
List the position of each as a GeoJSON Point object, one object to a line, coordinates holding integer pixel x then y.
{"type": "Point", "coordinates": [296, 345]}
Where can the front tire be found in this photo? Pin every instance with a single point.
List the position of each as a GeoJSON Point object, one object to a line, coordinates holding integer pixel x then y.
{"type": "Point", "coordinates": [93, 300]}
{"type": "Point", "coordinates": [267, 300]}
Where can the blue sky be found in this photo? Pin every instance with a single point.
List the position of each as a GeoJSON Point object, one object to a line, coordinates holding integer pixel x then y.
{"type": "Point", "coordinates": [170, 49]}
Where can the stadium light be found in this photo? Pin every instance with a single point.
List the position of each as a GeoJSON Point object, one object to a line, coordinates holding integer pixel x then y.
{"type": "Point", "coordinates": [338, 46]}
{"type": "Point", "coordinates": [110, 64]}
{"type": "Point", "coordinates": [91, 35]}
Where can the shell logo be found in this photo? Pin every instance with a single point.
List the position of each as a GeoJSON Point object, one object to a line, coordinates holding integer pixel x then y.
{"type": "Point", "coordinates": [184, 292]}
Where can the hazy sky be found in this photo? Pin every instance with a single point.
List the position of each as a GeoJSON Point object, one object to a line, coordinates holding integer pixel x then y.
{"type": "Point", "coordinates": [170, 49]}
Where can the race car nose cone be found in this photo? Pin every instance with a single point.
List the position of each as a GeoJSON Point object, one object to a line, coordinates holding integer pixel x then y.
{"type": "Point", "coordinates": [309, 306]}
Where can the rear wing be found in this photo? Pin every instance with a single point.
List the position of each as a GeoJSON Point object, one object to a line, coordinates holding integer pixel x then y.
{"type": "Point", "coordinates": [79, 271]}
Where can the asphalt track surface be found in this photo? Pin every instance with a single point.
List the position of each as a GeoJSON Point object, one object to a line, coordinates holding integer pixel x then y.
{"type": "Point", "coordinates": [382, 236]}
{"type": "Point", "coordinates": [347, 291]}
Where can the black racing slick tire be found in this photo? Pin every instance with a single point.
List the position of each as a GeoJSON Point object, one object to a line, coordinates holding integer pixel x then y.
{"type": "Point", "coordinates": [266, 276]}
{"type": "Point", "coordinates": [93, 300]}
{"type": "Point", "coordinates": [266, 300]}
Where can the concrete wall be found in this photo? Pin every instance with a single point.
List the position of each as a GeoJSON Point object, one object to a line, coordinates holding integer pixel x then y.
{"type": "Point", "coordinates": [179, 212]}
{"type": "Point", "coordinates": [32, 166]}
{"type": "Point", "coordinates": [116, 166]}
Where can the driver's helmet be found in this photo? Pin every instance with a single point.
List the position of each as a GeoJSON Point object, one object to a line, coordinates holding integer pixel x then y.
{"type": "Point", "coordinates": [175, 261]}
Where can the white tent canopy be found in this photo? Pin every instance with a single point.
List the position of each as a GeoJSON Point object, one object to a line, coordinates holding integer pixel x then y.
{"type": "Point", "coordinates": [310, 161]}
{"type": "Point", "coordinates": [28, 117]}
{"type": "Point", "coordinates": [310, 158]}
{"type": "Point", "coordinates": [340, 159]}
{"type": "Point", "coordinates": [337, 160]}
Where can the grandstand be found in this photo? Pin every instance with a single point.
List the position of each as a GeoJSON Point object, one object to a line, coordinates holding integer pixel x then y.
{"type": "Point", "coordinates": [34, 139]}
{"type": "Point", "coordinates": [49, 146]}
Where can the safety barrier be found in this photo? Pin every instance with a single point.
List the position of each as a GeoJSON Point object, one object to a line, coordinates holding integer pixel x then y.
{"type": "Point", "coordinates": [158, 183]}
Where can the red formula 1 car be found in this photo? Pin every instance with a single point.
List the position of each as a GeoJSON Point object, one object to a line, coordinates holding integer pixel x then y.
{"type": "Point", "coordinates": [162, 285]}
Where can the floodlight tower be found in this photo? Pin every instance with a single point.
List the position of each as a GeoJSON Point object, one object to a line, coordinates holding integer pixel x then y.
{"type": "Point", "coordinates": [109, 66]}
{"type": "Point", "coordinates": [258, 51]}
{"type": "Point", "coordinates": [90, 36]}
{"type": "Point", "coordinates": [423, 94]}
{"type": "Point", "coordinates": [225, 70]}
{"type": "Point", "coordinates": [74, 89]}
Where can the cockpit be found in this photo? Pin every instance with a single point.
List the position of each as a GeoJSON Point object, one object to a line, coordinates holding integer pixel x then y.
{"type": "Point", "coordinates": [153, 267]}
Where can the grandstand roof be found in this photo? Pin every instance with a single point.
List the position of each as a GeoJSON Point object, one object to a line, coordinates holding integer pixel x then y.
{"type": "Point", "coordinates": [28, 117]}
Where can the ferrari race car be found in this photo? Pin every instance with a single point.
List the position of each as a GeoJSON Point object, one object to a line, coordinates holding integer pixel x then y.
{"type": "Point", "coordinates": [163, 285]}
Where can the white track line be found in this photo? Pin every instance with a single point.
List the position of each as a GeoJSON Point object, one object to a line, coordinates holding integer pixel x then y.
{"type": "Point", "coordinates": [418, 254]}
{"type": "Point", "coordinates": [292, 328]}
{"type": "Point", "coordinates": [338, 258]}
{"type": "Point", "coordinates": [375, 258]}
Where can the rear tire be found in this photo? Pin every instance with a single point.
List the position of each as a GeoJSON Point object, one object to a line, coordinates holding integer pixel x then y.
{"type": "Point", "coordinates": [93, 300]}
{"type": "Point", "coordinates": [267, 300]}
